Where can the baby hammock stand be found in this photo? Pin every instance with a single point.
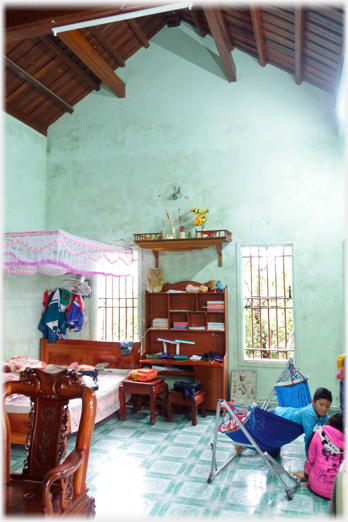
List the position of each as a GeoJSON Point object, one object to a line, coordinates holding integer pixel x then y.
{"type": "Point", "coordinates": [256, 428]}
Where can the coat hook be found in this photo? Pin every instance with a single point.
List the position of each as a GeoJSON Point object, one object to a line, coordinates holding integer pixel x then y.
{"type": "Point", "coordinates": [177, 193]}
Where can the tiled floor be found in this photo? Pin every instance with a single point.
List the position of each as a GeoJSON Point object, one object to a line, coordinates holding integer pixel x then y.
{"type": "Point", "coordinates": [141, 471]}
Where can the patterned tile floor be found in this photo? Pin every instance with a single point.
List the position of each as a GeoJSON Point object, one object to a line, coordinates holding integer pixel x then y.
{"type": "Point", "coordinates": [139, 471]}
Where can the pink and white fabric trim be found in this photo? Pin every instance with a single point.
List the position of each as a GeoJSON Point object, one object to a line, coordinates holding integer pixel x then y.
{"type": "Point", "coordinates": [57, 252]}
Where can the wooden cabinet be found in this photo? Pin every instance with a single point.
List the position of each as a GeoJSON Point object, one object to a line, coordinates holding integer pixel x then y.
{"type": "Point", "coordinates": [197, 317]}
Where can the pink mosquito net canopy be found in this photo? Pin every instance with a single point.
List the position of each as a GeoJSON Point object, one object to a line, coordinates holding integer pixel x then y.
{"type": "Point", "coordinates": [56, 253]}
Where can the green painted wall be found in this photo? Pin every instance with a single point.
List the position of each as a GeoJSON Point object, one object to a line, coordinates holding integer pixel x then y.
{"type": "Point", "coordinates": [262, 154]}
{"type": "Point", "coordinates": [24, 191]}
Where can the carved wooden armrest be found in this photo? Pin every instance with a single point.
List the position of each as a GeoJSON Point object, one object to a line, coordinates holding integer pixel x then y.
{"type": "Point", "coordinates": [64, 473]}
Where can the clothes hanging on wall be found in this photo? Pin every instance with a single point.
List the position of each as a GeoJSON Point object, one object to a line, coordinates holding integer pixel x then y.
{"type": "Point", "coordinates": [75, 312]}
{"type": "Point", "coordinates": [62, 309]}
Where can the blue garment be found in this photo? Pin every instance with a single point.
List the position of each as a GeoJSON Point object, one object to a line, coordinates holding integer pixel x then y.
{"type": "Point", "coordinates": [75, 315]}
{"type": "Point", "coordinates": [305, 416]}
{"type": "Point", "coordinates": [342, 398]}
{"type": "Point", "coordinates": [126, 347]}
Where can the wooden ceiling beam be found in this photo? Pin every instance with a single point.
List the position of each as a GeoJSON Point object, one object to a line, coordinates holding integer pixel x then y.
{"type": "Point", "coordinates": [37, 85]}
{"type": "Point", "coordinates": [139, 33]}
{"type": "Point", "coordinates": [259, 35]}
{"type": "Point", "coordinates": [222, 41]}
{"type": "Point", "coordinates": [44, 27]}
{"type": "Point", "coordinates": [107, 46]}
{"type": "Point", "coordinates": [197, 16]}
{"type": "Point", "coordinates": [15, 113]}
{"type": "Point", "coordinates": [299, 32]}
{"type": "Point", "coordinates": [75, 41]}
{"type": "Point", "coordinates": [61, 54]}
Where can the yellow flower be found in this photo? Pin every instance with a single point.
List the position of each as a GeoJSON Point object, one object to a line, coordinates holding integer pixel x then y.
{"type": "Point", "coordinates": [193, 209]}
{"type": "Point", "coordinates": [198, 220]}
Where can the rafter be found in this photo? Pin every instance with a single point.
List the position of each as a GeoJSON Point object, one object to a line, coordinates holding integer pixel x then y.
{"type": "Point", "coordinates": [258, 33]}
{"type": "Point", "coordinates": [299, 31]}
{"type": "Point", "coordinates": [219, 33]}
{"type": "Point", "coordinates": [37, 85]}
{"type": "Point", "coordinates": [15, 113]}
{"type": "Point", "coordinates": [41, 27]}
{"type": "Point", "coordinates": [94, 62]}
{"type": "Point", "coordinates": [198, 20]}
{"type": "Point", "coordinates": [107, 46]}
{"type": "Point", "coordinates": [139, 33]}
{"type": "Point", "coordinates": [61, 54]}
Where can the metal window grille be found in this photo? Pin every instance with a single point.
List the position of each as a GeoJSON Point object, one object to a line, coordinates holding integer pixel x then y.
{"type": "Point", "coordinates": [268, 309]}
{"type": "Point", "coordinates": [118, 306]}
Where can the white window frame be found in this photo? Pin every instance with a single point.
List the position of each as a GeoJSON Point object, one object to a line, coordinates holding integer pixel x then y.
{"type": "Point", "coordinates": [94, 308]}
{"type": "Point", "coordinates": [262, 363]}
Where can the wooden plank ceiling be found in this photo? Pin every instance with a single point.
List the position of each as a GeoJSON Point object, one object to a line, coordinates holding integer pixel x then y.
{"type": "Point", "coordinates": [47, 75]}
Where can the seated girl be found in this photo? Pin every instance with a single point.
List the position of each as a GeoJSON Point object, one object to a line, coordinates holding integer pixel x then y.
{"type": "Point", "coordinates": [326, 453]}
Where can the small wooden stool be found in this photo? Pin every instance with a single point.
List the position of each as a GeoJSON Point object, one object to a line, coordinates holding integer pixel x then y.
{"type": "Point", "coordinates": [176, 397]}
{"type": "Point", "coordinates": [151, 388]}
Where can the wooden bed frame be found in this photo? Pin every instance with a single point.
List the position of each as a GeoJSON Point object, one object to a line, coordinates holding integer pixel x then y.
{"type": "Point", "coordinates": [66, 351]}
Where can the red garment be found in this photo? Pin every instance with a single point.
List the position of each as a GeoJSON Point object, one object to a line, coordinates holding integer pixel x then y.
{"type": "Point", "coordinates": [322, 465]}
{"type": "Point", "coordinates": [45, 300]}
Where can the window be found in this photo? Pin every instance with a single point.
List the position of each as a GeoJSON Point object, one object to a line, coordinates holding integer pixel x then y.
{"type": "Point", "coordinates": [267, 302]}
{"type": "Point", "coordinates": [117, 298]}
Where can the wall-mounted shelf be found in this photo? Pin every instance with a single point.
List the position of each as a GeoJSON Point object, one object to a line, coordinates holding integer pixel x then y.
{"type": "Point", "coordinates": [203, 239]}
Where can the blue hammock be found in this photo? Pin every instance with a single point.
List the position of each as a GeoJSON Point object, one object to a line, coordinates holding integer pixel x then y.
{"type": "Point", "coordinates": [268, 430]}
{"type": "Point", "coordinates": [292, 388]}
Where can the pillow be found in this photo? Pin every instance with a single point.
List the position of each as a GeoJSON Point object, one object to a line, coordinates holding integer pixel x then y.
{"type": "Point", "coordinates": [86, 367]}
{"type": "Point", "coordinates": [19, 363]}
{"type": "Point", "coordinates": [9, 376]}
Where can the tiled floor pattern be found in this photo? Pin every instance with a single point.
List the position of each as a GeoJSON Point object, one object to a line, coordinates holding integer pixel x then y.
{"type": "Point", "coordinates": [141, 471]}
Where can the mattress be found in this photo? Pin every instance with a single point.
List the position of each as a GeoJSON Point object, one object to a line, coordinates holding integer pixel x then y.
{"type": "Point", "coordinates": [108, 401]}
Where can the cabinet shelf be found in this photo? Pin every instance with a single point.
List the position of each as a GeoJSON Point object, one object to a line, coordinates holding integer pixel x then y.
{"type": "Point", "coordinates": [176, 306]}
{"type": "Point", "coordinates": [208, 238]}
{"type": "Point", "coordinates": [177, 362]}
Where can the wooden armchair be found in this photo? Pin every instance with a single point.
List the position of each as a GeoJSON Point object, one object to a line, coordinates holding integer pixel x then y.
{"type": "Point", "coordinates": [45, 486]}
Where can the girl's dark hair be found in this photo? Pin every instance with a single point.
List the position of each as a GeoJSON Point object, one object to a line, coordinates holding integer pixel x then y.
{"type": "Point", "coordinates": [322, 393]}
{"type": "Point", "coordinates": [336, 421]}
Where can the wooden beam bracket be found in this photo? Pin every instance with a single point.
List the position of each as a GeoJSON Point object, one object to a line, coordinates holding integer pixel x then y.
{"type": "Point", "coordinates": [222, 41]}
{"type": "Point", "coordinates": [79, 45]}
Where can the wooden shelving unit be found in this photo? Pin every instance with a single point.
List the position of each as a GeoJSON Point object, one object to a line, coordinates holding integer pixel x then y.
{"type": "Point", "coordinates": [203, 239]}
{"type": "Point", "coordinates": [190, 308]}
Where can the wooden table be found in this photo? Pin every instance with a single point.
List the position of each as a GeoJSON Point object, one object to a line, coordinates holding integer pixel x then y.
{"type": "Point", "coordinates": [178, 398]}
{"type": "Point", "coordinates": [151, 388]}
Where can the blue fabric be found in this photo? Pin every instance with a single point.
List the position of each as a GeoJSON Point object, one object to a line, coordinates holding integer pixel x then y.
{"type": "Point", "coordinates": [296, 396]}
{"type": "Point", "coordinates": [269, 431]}
{"type": "Point", "coordinates": [305, 416]}
{"type": "Point", "coordinates": [75, 317]}
{"type": "Point", "coordinates": [342, 398]}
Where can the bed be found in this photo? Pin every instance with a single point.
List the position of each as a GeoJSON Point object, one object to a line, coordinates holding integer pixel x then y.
{"type": "Point", "coordinates": [63, 352]}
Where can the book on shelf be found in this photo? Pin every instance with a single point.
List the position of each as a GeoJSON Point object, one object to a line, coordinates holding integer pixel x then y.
{"type": "Point", "coordinates": [196, 327]}
{"type": "Point", "coordinates": [160, 322]}
{"type": "Point", "coordinates": [215, 326]}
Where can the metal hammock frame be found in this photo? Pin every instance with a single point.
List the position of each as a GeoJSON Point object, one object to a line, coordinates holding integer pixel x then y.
{"type": "Point", "coordinates": [286, 378]}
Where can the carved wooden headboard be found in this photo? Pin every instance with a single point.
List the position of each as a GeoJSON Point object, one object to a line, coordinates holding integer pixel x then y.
{"type": "Point", "coordinates": [66, 351]}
